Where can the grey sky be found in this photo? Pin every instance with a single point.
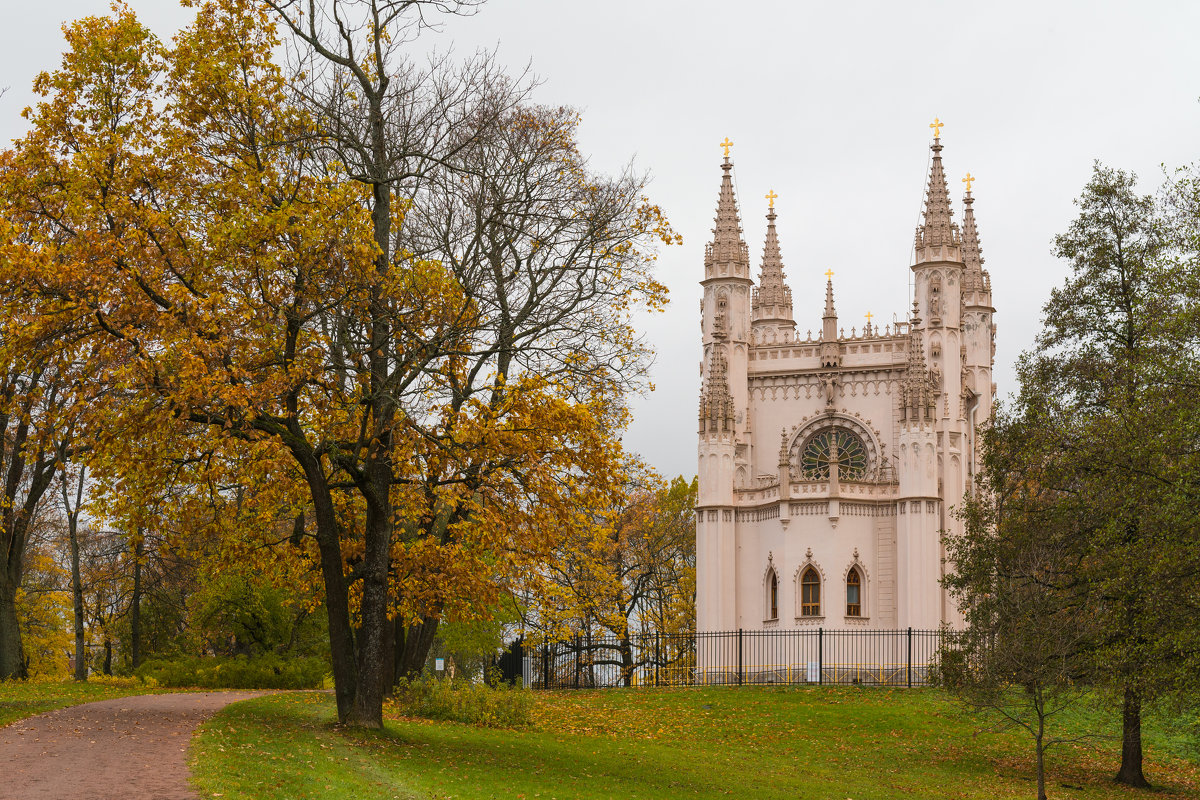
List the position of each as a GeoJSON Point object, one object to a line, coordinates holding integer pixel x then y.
{"type": "Point", "coordinates": [828, 105]}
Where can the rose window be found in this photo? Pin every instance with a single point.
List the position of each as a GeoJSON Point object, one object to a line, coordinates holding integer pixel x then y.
{"type": "Point", "coordinates": [818, 452]}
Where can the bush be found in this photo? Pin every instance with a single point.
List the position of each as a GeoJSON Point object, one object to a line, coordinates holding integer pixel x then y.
{"type": "Point", "coordinates": [237, 672]}
{"type": "Point", "coordinates": [462, 701]}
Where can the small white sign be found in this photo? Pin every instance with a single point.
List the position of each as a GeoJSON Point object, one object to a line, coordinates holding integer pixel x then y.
{"type": "Point", "coordinates": [440, 664]}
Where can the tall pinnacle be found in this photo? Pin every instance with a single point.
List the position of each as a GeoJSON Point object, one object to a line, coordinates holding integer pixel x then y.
{"type": "Point", "coordinates": [938, 228]}
{"type": "Point", "coordinates": [975, 276]}
{"type": "Point", "coordinates": [727, 255]}
{"type": "Point", "coordinates": [772, 297]}
{"type": "Point", "coordinates": [830, 350]}
{"type": "Point", "coordinates": [830, 311]}
{"type": "Point", "coordinates": [716, 401]}
{"type": "Point", "coordinates": [916, 387]}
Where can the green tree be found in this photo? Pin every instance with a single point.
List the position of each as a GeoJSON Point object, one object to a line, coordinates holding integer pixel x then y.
{"type": "Point", "coordinates": [1104, 389]}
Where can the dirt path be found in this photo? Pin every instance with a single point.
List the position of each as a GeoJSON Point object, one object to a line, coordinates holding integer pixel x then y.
{"type": "Point", "coordinates": [132, 748]}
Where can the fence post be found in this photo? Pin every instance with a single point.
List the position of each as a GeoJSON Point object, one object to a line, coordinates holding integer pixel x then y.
{"type": "Point", "coordinates": [909, 670]}
{"type": "Point", "coordinates": [739, 656]}
{"type": "Point", "coordinates": [546, 666]}
{"type": "Point", "coordinates": [657, 657]}
{"type": "Point", "coordinates": [820, 656]}
{"type": "Point", "coordinates": [578, 654]}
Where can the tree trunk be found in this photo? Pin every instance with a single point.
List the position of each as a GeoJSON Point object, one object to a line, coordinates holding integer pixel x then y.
{"type": "Point", "coordinates": [1041, 757]}
{"type": "Point", "coordinates": [412, 646]}
{"type": "Point", "coordinates": [107, 656]}
{"type": "Point", "coordinates": [368, 702]}
{"type": "Point", "coordinates": [81, 667]}
{"type": "Point", "coordinates": [1131, 743]}
{"type": "Point", "coordinates": [337, 604]}
{"type": "Point", "coordinates": [12, 662]}
{"type": "Point", "coordinates": [135, 605]}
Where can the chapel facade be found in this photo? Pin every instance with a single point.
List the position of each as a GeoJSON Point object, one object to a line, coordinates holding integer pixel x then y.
{"type": "Point", "coordinates": [830, 464]}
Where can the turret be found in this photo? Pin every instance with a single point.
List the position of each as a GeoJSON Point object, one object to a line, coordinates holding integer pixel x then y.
{"type": "Point", "coordinates": [723, 399]}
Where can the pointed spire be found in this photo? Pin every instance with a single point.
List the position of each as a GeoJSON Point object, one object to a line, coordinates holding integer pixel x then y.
{"type": "Point", "coordinates": [938, 228]}
{"type": "Point", "coordinates": [975, 277]}
{"type": "Point", "coordinates": [772, 297]}
{"type": "Point", "coordinates": [916, 388]}
{"type": "Point", "coordinates": [830, 351]}
{"type": "Point", "coordinates": [727, 254]}
{"type": "Point", "coordinates": [716, 401]}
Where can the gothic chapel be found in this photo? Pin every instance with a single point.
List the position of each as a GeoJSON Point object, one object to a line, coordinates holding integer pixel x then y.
{"type": "Point", "coordinates": [829, 465]}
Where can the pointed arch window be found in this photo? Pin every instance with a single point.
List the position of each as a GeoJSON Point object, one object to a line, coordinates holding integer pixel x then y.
{"type": "Point", "coordinates": [853, 593]}
{"type": "Point", "coordinates": [773, 596]}
{"type": "Point", "coordinates": [810, 593]}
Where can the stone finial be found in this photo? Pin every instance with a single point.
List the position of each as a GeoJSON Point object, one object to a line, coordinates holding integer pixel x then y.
{"type": "Point", "coordinates": [772, 297]}
{"type": "Point", "coordinates": [784, 457]}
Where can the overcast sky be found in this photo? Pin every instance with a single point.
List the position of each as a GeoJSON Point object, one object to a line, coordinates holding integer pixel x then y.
{"type": "Point", "coordinates": [828, 104]}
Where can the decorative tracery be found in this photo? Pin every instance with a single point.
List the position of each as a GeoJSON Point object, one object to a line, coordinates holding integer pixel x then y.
{"type": "Point", "coordinates": [825, 445]}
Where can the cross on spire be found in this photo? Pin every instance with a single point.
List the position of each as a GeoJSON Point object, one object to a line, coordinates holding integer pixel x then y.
{"type": "Point", "coordinates": [937, 126]}
{"type": "Point", "coordinates": [869, 315]}
{"type": "Point", "coordinates": [726, 144]}
{"type": "Point", "coordinates": [829, 274]}
{"type": "Point", "coordinates": [771, 196]}
{"type": "Point", "coordinates": [968, 181]}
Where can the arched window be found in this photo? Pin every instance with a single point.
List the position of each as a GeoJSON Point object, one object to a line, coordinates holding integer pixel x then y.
{"type": "Point", "coordinates": [810, 593]}
{"type": "Point", "coordinates": [773, 597]}
{"type": "Point", "coordinates": [853, 593]}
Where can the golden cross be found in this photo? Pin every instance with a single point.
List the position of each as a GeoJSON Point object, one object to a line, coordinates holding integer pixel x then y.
{"type": "Point", "coordinates": [968, 180]}
{"type": "Point", "coordinates": [937, 126]}
{"type": "Point", "coordinates": [869, 315]}
{"type": "Point", "coordinates": [726, 144]}
{"type": "Point", "coordinates": [829, 274]}
{"type": "Point", "coordinates": [771, 198]}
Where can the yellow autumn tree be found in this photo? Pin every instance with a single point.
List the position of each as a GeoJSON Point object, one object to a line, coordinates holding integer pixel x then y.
{"type": "Point", "coordinates": [437, 359]}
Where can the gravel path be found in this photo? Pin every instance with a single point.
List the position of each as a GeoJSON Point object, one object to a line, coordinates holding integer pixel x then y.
{"type": "Point", "coordinates": [131, 748]}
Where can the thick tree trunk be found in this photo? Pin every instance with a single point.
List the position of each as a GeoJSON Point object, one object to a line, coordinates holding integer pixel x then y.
{"type": "Point", "coordinates": [368, 707]}
{"type": "Point", "coordinates": [107, 656]}
{"type": "Point", "coordinates": [1131, 742]}
{"type": "Point", "coordinates": [135, 605]}
{"type": "Point", "coordinates": [81, 667]}
{"type": "Point", "coordinates": [337, 603]}
{"type": "Point", "coordinates": [12, 661]}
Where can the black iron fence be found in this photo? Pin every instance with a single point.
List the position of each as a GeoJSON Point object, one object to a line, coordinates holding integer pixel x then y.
{"type": "Point", "coordinates": [902, 657]}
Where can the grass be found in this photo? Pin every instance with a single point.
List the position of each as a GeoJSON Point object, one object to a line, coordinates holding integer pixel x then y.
{"type": "Point", "coordinates": [716, 743]}
{"type": "Point", "coordinates": [20, 699]}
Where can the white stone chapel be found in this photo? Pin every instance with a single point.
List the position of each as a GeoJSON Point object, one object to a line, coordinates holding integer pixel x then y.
{"type": "Point", "coordinates": [829, 465]}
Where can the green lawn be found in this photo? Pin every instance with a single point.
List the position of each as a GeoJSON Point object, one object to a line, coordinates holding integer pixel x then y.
{"type": "Point", "coordinates": [20, 699]}
{"type": "Point", "coordinates": [685, 743]}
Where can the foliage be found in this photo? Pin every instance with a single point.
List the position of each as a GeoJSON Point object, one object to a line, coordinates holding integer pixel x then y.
{"type": "Point", "coordinates": [415, 347]}
{"type": "Point", "coordinates": [629, 568]}
{"type": "Point", "coordinates": [44, 611]}
{"type": "Point", "coordinates": [473, 702]}
{"type": "Point", "coordinates": [1093, 472]}
{"type": "Point", "coordinates": [649, 743]}
{"type": "Point", "coordinates": [236, 672]}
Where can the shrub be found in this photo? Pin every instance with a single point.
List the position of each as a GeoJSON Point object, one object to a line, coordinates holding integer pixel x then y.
{"type": "Point", "coordinates": [463, 701]}
{"type": "Point", "coordinates": [237, 672]}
